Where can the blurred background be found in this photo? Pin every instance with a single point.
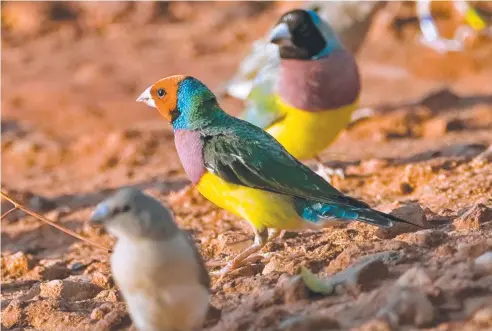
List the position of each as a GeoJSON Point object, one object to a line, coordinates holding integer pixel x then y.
{"type": "Point", "coordinates": [82, 64]}
{"type": "Point", "coordinates": [71, 72]}
{"type": "Point", "coordinates": [71, 132]}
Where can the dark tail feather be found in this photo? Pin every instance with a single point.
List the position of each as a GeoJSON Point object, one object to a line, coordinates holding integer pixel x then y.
{"type": "Point", "coordinates": [381, 219]}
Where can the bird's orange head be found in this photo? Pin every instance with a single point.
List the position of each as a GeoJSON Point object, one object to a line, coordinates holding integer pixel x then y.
{"type": "Point", "coordinates": [183, 100]}
{"type": "Point", "coordinates": [163, 95]}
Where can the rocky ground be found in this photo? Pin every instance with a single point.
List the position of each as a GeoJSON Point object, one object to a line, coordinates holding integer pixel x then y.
{"type": "Point", "coordinates": [72, 133]}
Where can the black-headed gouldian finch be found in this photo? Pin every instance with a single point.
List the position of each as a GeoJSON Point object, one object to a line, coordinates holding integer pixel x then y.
{"type": "Point", "coordinates": [309, 99]}
{"type": "Point", "coordinates": [351, 20]}
{"type": "Point", "coordinates": [156, 266]}
{"type": "Point", "coordinates": [243, 169]}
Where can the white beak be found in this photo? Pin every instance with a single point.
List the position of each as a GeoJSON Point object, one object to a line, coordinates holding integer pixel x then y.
{"type": "Point", "coordinates": [279, 33]}
{"type": "Point", "coordinates": [146, 97]}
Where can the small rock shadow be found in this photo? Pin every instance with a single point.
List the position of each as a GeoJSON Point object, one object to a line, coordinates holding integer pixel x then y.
{"type": "Point", "coordinates": [42, 241]}
{"type": "Point", "coordinates": [35, 241]}
{"type": "Point", "coordinates": [439, 101]}
{"type": "Point", "coordinates": [465, 151]}
{"type": "Point", "coordinates": [76, 201]}
{"type": "Point", "coordinates": [455, 151]}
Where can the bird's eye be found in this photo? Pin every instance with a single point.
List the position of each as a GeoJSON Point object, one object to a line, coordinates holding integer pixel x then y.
{"type": "Point", "coordinates": [125, 208]}
{"type": "Point", "coordinates": [122, 209]}
{"type": "Point", "coordinates": [161, 92]}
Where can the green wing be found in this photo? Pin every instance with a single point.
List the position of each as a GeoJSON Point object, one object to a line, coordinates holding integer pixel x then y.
{"type": "Point", "coordinates": [243, 154]}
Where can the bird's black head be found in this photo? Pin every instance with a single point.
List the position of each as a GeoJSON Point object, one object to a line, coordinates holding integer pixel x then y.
{"type": "Point", "coordinates": [298, 36]}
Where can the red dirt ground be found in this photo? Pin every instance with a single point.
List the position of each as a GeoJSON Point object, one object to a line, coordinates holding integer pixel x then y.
{"type": "Point", "coordinates": [72, 132]}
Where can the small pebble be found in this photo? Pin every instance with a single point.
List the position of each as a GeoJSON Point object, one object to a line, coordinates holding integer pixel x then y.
{"type": "Point", "coordinates": [292, 288]}
{"type": "Point", "coordinates": [76, 266]}
{"type": "Point", "coordinates": [473, 218]}
{"type": "Point", "coordinates": [415, 277]}
{"type": "Point", "coordinates": [412, 213]}
{"type": "Point", "coordinates": [15, 265]}
{"type": "Point", "coordinates": [108, 296]}
{"type": "Point", "coordinates": [110, 321]}
{"type": "Point", "coordinates": [408, 306]}
{"type": "Point", "coordinates": [69, 290]}
{"type": "Point", "coordinates": [472, 250]}
{"type": "Point", "coordinates": [406, 188]}
{"type": "Point", "coordinates": [50, 270]}
{"type": "Point", "coordinates": [11, 316]}
{"type": "Point", "coordinates": [101, 311]}
{"type": "Point", "coordinates": [272, 266]}
{"type": "Point", "coordinates": [102, 280]}
{"type": "Point", "coordinates": [360, 276]}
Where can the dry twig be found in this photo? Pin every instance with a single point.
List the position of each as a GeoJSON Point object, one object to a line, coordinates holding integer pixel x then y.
{"type": "Point", "coordinates": [44, 219]}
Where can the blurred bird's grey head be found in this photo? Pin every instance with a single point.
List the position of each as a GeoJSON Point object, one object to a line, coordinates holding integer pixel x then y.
{"type": "Point", "coordinates": [132, 214]}
{"type": "Point", "coordinates": [302, 34]}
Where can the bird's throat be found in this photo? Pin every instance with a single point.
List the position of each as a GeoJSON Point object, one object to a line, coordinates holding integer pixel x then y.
{"type": "Point", "coordinates": [190, 150]}
{"type": "Point", "coordinates": [318, 85]}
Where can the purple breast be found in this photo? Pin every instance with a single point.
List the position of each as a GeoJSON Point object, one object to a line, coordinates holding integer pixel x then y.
{"type": "Point", "coordinates": [328, 83]}
{"type": "Point", "coordinates": [190, 151]}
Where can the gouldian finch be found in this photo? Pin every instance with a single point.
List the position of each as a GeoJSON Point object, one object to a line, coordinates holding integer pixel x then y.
{"type": "Point", "coordinates": [156, 266]}
{"type": "Point", "coordinates": [351, 21]}
{"type": "Point", "coordinates": [310, 98]}
{"type": "Point", "coordinates": [243, 169]}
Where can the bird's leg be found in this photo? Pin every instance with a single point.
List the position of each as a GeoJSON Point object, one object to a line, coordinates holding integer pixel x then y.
{"type": "Point", "coordinates": [261, 238]}
{"type": "Point", "coordinates": [327, 172]}
{"type": "Point", "coordinates": [274, 234]}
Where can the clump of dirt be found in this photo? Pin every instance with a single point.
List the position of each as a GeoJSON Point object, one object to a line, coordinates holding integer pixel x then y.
{"type": "Point", "coordinates": [72, 133]}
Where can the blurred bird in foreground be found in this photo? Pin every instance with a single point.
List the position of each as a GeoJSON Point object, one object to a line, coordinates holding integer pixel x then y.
{"type": "Point", "coordinates": [156, 266]}
{"type": "Point", "coordinates": [308, 98]}
{"type": "Point", "coordinates": [244, 170]}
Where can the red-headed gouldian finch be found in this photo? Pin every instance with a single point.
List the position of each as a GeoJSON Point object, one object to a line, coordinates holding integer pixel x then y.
{"type": "Point", "coordinates": [244, 170]}
{"type": "Point", "coordinates": [156, 266]}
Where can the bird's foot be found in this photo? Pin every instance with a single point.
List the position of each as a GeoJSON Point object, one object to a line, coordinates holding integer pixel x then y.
{"type": "Point", "coordinates": [240, 260]}
{"type": "Point", "coordinates": [226, 269]}
{"type": "Point", "coordinates": [254, 258]}
{"type": "Point", "coordinates": [263, 257]}
{"type": "Point", "coordinates": [244, 257]}
{"type": "Point", "coordinates": [275, 233]}
{"type": "Point", "coordinates": [328, 173]}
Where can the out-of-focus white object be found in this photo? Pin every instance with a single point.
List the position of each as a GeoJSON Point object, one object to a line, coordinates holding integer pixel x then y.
{"type": "Point", "coordinates": [432, 38]}
{"type": "Point", "coordinates": [263, 54]}
{"type": "Point", "coordinates": [350, 19]}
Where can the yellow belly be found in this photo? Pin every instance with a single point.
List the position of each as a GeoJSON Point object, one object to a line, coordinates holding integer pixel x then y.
{"type": "Point", "coordinates": [305, 134]}
{"type": "Point", "coordinates": [262, 209]}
